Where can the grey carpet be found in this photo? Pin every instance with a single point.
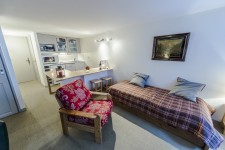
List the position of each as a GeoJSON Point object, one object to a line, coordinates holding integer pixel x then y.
{"type": "Point", "coordinates": [39, 128]}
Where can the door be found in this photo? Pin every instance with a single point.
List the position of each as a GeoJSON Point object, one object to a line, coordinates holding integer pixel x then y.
{"type": "Point", "coordinates": [72, 45]}
{"type": "Point", "coordinates": [19, 52]}
{"type": "Point", "coordinates": [7, 101]}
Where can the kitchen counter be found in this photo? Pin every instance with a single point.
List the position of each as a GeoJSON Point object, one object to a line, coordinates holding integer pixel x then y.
{"type": "Point", "coordinates": [73, 65]}
{"type": "Point", "coordinates": [71, 74]}
{"type": "Point", "coordinates": [70, 61]}
{"type": "Point", "coordinates": [67, 62]}
{"type": "Point", "coordinates": [86, 76]}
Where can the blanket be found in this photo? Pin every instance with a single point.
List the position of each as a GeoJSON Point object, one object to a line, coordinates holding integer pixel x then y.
{"type": "Point", "coordinates": [175, 111]}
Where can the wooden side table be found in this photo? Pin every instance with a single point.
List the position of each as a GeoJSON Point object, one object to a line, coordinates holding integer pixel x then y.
{"type": "Point", "coordinates": [223, 123]}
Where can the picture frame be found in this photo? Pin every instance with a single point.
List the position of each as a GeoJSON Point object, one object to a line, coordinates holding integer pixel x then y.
{"type": "Point", "coordinates": [170, 47]}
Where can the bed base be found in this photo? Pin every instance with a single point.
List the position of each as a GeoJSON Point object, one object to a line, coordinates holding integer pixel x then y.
{"type": "Point", "coordinates": [185, 135]}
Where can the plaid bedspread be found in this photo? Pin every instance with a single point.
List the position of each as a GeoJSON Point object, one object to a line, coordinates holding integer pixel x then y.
{"type": "Point", "coordinates": [175, 111]}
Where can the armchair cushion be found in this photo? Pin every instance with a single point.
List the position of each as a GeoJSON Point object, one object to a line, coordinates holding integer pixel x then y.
{"type": "Point", "coordinates": [73, 96]}
{"type": "Point", "coordinates": [102, 108]}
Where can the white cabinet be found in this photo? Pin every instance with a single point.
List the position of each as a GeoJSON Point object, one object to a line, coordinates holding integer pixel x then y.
{"type": "Point", "coordinates": [46, 39]}
{"type": "Point", "coordinates": [47, 43]}
{"type": "Point", "coordinates": [73, 45]}
{"type": "Point", "coordinates": [60, 44]}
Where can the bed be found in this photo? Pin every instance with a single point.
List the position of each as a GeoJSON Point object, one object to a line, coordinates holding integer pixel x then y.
{"type": "Point", "coordinates": [189, 120]}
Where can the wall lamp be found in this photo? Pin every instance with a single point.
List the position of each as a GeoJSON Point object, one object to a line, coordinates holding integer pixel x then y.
{"type": "Point", "coordinates": [103, 39]}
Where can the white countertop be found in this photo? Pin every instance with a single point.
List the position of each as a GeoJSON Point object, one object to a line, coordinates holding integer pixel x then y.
{"type": "Point", "coordinates": [67, 62]}
{"type": "Point", "coordinates": [71, 74]}
{"type": "Point", "coordinates": [70, 62]}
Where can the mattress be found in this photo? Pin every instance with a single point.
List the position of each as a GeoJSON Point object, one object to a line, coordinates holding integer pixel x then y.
{"type": "Point", "coordinates": [193, 117]}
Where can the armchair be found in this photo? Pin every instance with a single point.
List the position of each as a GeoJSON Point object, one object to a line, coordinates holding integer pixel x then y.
{"type": "Point", "coordinates": [4, 140]}
{"type": "Point", "coordinates": [78, 109]}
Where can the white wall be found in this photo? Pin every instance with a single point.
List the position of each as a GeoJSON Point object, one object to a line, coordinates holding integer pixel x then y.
{"type": "Point", "coordinates": [68, 57]}
{"type": "Point", "coordinates": [131, 49]}
{"type": "Point", "coordinates": [37, 55]}
{"type": "Point", "coordinates": [33, 58]}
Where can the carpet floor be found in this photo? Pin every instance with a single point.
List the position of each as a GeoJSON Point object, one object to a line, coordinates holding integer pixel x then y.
{"type": "Point", "coordinates": [39, 127]}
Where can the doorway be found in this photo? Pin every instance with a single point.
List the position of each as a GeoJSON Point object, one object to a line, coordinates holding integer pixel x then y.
{"type": "Point", "coordinates": [20, 52]}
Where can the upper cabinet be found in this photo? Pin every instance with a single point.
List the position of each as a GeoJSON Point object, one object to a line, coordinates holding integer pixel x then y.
{"type": "Point", "coordinates": [61, 44]}
{"type": "Point", "coordinates": [50, 43]}
{"type": "Point", "coordinates": [47, 43]}
{"type": "Point", "coordinates": [46, 39]}
{"type": "Point", "coordinates": [73, 45]}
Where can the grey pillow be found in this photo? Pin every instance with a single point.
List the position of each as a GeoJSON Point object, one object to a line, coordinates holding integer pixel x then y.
{"type": "Point", "coordinates": [139, 79]}
{"type": "Point", "coordinates": [186, 89]}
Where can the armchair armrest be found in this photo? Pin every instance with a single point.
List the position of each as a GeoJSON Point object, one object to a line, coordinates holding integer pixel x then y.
{"type": "Point", "coordinates": [109, 97]}
{"type": "Point", "coordinates": [77, 113]}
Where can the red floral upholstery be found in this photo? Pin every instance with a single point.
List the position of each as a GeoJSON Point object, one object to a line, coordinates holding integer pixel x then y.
{"type": "Point", "coordinates": [101, 107]}
{"type": "Point", "coordinates": [74, 95]}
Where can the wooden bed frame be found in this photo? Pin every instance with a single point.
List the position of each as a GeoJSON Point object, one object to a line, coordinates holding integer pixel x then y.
{"type": "Point", "coordinates": [181, 133]}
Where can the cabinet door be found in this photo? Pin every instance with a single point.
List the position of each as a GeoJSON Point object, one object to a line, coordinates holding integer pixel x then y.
{"type": "Point", "coordinates": [47, 43]}
{"type": "Point", "coordinates": [7, 100]}
{"type": "Point", "coordinates": [73, 45]}
{"type": "Point", "coordinates": [61, 44]}
{"type": "Point", "coordinates": [46, 39]}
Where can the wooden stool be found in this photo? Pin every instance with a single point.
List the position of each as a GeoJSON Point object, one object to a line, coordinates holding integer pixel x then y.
{"type": "Point", "coordinates": [96, 85]}
{"type": "Point", "coordinates": [108, 82]}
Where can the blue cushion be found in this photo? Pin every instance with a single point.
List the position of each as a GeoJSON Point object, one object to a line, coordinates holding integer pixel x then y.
{"type": "Point", "coordinates": [186, 89]}
{"type": "Point", "coordinates": [139, 79]}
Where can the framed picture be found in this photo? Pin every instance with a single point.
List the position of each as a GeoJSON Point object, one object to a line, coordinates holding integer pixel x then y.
{"type": "Point", "coordinates": [170, 47]}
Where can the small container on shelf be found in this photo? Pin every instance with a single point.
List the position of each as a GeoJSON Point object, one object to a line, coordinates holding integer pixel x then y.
{"type": "Point", "coordinates": [60, 72]}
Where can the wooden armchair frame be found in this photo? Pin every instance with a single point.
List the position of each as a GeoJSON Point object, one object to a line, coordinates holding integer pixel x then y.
{"type": "Point", "coordinates": [96, 129]}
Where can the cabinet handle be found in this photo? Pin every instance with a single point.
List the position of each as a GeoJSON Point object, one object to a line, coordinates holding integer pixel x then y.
{"type": "Point", "coordinates": [2, 72]}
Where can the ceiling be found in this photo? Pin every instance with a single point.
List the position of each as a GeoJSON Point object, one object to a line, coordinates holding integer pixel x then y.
{"type": "Point", "coordinates": [82, 18]}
